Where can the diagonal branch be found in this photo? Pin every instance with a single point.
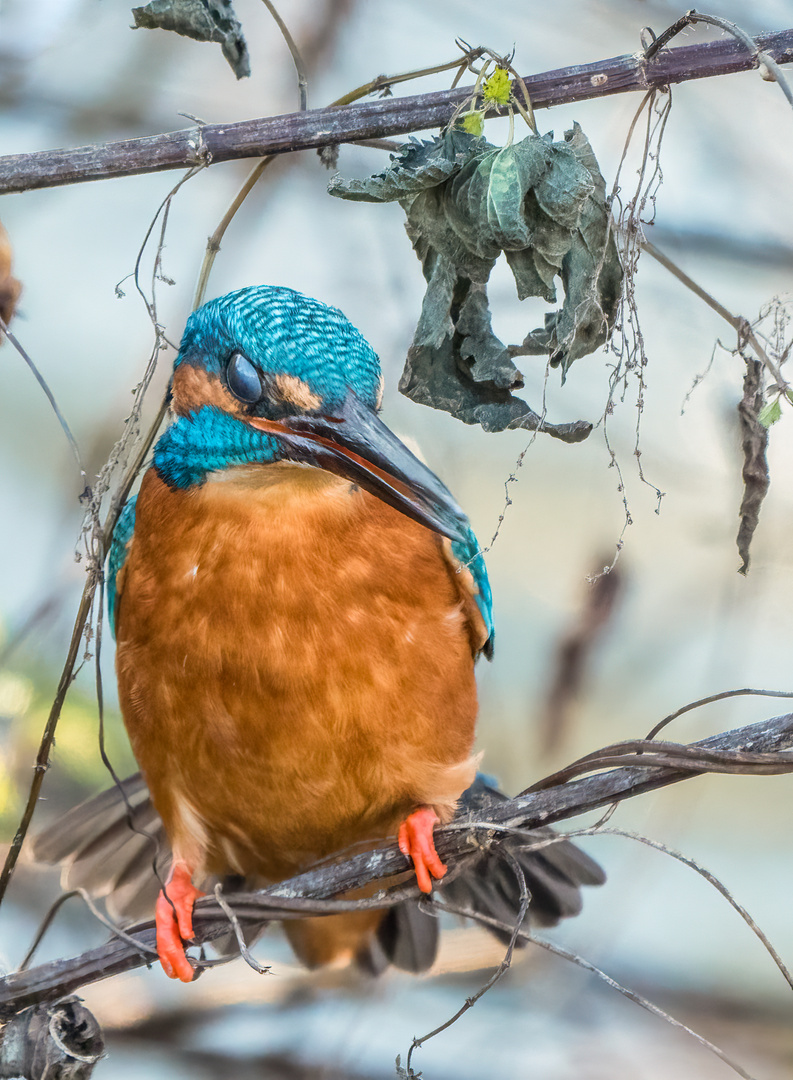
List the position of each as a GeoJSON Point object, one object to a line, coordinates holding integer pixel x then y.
{"type": "Point", "coordinates": [311, 893]}
{"type": "Point", "coordinates": [376, 119]}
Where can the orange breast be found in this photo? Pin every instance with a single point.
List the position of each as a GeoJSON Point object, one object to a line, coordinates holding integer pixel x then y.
{"type": "Point", "coordinates": [295, 667]}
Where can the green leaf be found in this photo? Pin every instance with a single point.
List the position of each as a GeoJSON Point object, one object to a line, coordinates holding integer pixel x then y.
{"type": "Point", "coordinates": [770, 413]}
{"type": "Point", "coordinates": [498, 88]}
{"type": "Point", "coordinates": [473, 122]}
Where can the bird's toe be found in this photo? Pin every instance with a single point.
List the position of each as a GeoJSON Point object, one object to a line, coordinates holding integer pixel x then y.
{"type": "Point", "coordinates": [417, 842]}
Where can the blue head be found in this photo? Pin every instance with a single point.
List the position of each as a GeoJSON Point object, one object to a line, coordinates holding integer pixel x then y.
{"type": "Point", "coordinates": [306, 354]}
{"type": "Point", "coordinates": [265, 375]}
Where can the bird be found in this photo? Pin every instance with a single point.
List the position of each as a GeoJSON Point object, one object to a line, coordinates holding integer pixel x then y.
{"type": "Point", "coordinates": [298, 604]}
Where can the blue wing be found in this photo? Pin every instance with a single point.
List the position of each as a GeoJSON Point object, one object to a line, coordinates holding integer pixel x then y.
{"type": "Point", "coordinates": [468, 553]}
{"type": "Point", "coordinates": [122, 534]}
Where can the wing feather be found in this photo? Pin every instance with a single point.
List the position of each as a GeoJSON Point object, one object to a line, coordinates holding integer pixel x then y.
{"type": "Point", "coordinates": [469, 567]}
{"type": "Point", "coordinates": [119, 549]}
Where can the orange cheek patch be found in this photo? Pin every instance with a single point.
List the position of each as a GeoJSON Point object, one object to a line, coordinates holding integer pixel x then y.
{"type": "Point", "coordinates": [193, 387]}
{"type": "Point", "coordinates": [298, 393]}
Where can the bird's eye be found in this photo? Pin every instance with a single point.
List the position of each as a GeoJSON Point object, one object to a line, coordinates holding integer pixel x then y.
{"type": "Point", "coordinates": [243, 379]}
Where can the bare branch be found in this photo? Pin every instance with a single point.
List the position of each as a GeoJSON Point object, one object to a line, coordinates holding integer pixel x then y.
{"type": "Point", "coordinates": [311, 893]}
{"type": "Point", "coordinates": [375, 119]}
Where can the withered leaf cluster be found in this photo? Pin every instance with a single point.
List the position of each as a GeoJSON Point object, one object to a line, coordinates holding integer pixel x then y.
{"type": "Point", "coordinates": [543, 204]}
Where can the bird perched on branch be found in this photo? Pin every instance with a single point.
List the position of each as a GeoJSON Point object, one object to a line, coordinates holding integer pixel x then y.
{"type": "Point", "coordinates": [298, 604]}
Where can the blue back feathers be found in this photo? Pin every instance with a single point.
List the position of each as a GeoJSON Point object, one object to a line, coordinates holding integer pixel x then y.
{"type": "Point", "coordinates": [468, 553]}
{"type": "Point", "coordinates": [122, 534]}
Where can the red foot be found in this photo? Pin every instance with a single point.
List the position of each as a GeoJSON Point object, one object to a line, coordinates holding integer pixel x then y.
{"type": "Point", "coordinates": [415, 841]}
{"type": "Point", "coordinates": [174, 920]}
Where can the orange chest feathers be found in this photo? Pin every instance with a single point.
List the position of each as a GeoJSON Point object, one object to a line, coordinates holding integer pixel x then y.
{"type": "Point", "coordinates": [295, 664]}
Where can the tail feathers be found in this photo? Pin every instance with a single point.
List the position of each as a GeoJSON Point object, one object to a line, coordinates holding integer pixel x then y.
{"type": "Point", "coordinates": [109, 846]}
{"type": "Point", "coordinates": [553, 868]}
{"type": "Point", "coordinates": [114, 846]}
{"type": "Point", "coordinates": [407, 938]}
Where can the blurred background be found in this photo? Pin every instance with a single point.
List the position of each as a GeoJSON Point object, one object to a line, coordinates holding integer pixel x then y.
{"type": "Point", "coordinates": [683, 624]}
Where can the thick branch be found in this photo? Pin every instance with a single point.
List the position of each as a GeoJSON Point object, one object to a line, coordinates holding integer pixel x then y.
{"type": "Point", "coordinates": [373, 119]}
{"type": "Point", "coordinates": [309, 893]}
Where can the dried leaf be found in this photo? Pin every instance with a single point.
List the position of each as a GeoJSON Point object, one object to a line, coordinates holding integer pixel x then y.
{"type": "Point", "coordinates": [10, 288]}
{"type": "Point", "coordinates": [754, 442]}
{"type": "Point", "coordinates": [469, 372]}
{"type": "Point", "coordinates": [417, 166]}
{"type": "Point", "coordinates": [541, 203]}
{"type": "Point", "coordinates": [590, 270]}
{"type": "Point", "coordinates": [202, 20]}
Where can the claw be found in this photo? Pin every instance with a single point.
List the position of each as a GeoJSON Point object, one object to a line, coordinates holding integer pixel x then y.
{"type": "Point", "coordinates": [174, 921]}
{"type": "Point", "coordinates": [416, 841]}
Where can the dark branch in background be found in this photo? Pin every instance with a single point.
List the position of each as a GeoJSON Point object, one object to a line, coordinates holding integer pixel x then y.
{"type": "Point", "coordinates": [376, 119]}
{"type": "Point", "coordinates": [750, 750]}
{"type": "Point", "coordinates": [573, 656]}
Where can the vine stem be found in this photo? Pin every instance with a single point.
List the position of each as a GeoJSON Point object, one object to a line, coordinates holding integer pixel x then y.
{"type": "Point", "coordinates": [739, 323]}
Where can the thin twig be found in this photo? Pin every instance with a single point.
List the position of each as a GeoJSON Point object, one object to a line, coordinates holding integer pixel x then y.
{"type": "Point", "coordinates": [48, 736]}
{"type": "Point", "coordinates": [215, 240]}
{"type": "Point", "coordinates": [300, 67]}
{"type": "Point", "coordinates": [503, 967]}
{"type": "Point", "coordinates": [628, 344]}
{"type": "Point", "coordinates": [741, 325]}
{"type": "Point", "coordinates": [242, 944]}
{"type": "Point", "coordinates": [715, 697]}
{"type": "Point", "coordinates": [142, 946]}
{"type": "Point", "coordinates": [51, 398]}
{"type": "Point", "coordinates": [383, 83]}
{"type": "Point", "coordinates": [708, 876]}
{"type": "Point", "coordinates": [44, 926]}
{"type": "Point", "coordinates": [101, 536]}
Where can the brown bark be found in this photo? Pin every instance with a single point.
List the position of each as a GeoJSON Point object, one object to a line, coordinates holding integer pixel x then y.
{"type": "Point", "coordinates": [373, 119]}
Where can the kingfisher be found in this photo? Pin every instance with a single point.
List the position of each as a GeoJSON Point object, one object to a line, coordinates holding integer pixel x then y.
{"type": "Point", "coordinates": [298, 604]}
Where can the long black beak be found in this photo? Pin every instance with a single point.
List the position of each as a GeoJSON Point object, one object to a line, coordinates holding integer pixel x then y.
{"type": "Point", "coordinates": [357, 445]}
